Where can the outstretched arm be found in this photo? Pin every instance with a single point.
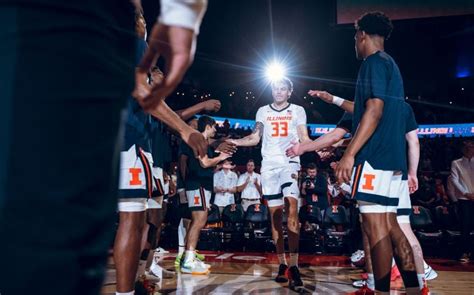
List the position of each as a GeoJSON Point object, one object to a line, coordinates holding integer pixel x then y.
{"type": "Point", "coordinates": [252, 139]}
{"type": "Point", "coordinates": [327, 97]}
{"type": "Point", "coordinates": [320, 143]}
{"type": "Point", "coordinates": [207, 162]}
{"type": "Point", "coordinates": [212, 105]}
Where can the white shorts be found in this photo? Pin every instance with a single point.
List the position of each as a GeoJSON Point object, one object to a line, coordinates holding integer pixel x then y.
{"type": "Point", "coordinates": [158, 189]}
{"type": "Point", "coordinates": [136, 179]}
{"type": "Point", "coordinates": [380, 188]}
{"type": "Point", "coordinates": [155, 203]}
{"type": "Point", "coordinates": [247, 202]}
{"type": "Point", "coordinates": [280, 182]}
{"type": "Point", "coordinates": [132, 205]}
{"type": "Point", "coordinates": [404, 205]}
{"type": "Point", "coordinates": [199, 200]}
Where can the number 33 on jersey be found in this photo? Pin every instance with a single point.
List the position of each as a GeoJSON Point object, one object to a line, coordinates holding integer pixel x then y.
{"type": "Point", "coordinates": [280, 129]}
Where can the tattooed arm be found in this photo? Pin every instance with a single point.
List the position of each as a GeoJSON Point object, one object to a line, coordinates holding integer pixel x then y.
{"type": "Point", "coordinates": [252, 139]}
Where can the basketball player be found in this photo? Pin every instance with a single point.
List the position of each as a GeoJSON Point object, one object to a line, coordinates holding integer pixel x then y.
{"type": "Point", "coordinates": [376, 156]}
{"type": "Point", "coordinates": [198, 184]}
{"type": "Point", "coordinates": [409, 183]}
{"type": "Point", "coordinates": [280, 123]}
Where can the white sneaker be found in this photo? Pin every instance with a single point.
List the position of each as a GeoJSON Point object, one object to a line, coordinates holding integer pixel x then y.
{"type": "Point", "coordinates": [357, 256]}
{"type": "Point", "coordinates": [430, 273]}
{"type": "Point", "coordinates": [160, 250]}
{"type": "Point", "coordinates": [359, 284]}
{"type": "Point", "coordinates": [208, 266]}
{"type": "Point", "coordinates": [194, 267]}
{"type": "Point", "coordinates": [157, 270]}
{"type": "Point", "coordinates": [356, 253]}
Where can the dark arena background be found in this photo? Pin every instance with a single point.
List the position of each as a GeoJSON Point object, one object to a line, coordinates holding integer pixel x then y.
{"type": "Point", "coordinates": [186, 199]}
{"type": "Point", "coordinates": [433, 44]}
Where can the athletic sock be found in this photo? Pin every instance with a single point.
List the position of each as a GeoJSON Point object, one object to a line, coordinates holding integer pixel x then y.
{"type": "Point", "coordinates": [370, 281]}
{"type": "Point", "coordinates": [189, 256]}
{"type": "Point", "coordinates": [282, 259]}
{"type": "Point", "coordinates": [181, 250]}
{"type": "Point", "coordinates": [421, 280]}
{"type": "Point", "coordinates": [293, 259]}
{"type": "Point", "coordinates": [181, 236]}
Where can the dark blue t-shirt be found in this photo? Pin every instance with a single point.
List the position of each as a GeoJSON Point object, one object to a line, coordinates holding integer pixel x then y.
{"type": "Point", "coordinates": [379, 77]}
{"type": "Point", "coordinates": [137, 127]}
{"type": "Point", "coordinates": [160, 143]}
{"type": "Point", "coordinates": [410, 122]}
{"type": "Point", "coordinates": [197, 176]}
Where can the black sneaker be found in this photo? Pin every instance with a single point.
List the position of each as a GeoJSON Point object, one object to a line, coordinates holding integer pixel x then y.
{"type": "Point", "coordinates": [295, 278]}
{"type": "Point", "coordinates": [282, 274]}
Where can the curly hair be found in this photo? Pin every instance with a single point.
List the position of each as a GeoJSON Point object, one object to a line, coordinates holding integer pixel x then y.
{"type": "Point", "coordinates": [375, 23]}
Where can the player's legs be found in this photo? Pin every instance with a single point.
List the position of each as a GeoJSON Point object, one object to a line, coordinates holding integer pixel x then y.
{"type": "Point", "coordinates": [403, 218]}
{"type": "Point", "coordinates": [271, 187]}
{"type": "Point", "coordinates": [135, 186]}
{"type": "Point", "coordinates": [276, 218]}
{"type": "Point", "coordinates": [198, 202]}
{"type": "Point", "coordinates": [377, 192]}
{"type": "Point", "coordinates": [183, 226]}
{"type": "Point", "coordinates": [293, 229]}
{"type": "Point", "coordinates": [127, 248]}
{"type": "Point", "coordinates": [289, 186]}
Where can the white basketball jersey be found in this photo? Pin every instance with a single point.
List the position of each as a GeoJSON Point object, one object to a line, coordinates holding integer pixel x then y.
{"type": "Point", "coordinates": [278, 133]}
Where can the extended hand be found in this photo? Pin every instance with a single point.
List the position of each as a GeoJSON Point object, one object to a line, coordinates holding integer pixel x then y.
{"type": "Point", "coordinates": [196, 141]}
{"type": "Point", "coordinates": [323, 95]}
{"type": "Point", "coordinates": [212, 105]}
{"type": "Point", "coordinates": [177, 46]}
{"type": "Point", "coordinates": [344, 169]}
{"type": "Point", "coordinates": [227, 147]}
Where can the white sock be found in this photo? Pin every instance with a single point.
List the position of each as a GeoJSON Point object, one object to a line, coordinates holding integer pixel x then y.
{"type": "Point", "coordinates": [293, 259]}
{"type": "Point", "coordinates": [189, 256]}
{"type": "Point", "coordinates": [370, 281]}
{"type": "Point", "coordinates": [393, 262]}
{"type": "Point", "coordinates": [282, 259]}
{"type": "Point", "coordinates": [141, 268]}
{"type": "Point", "coordinates": [421, 280]}
{"type": "Point", "coordinates": [125, 293]}
{"type": "Point", "coordinates": [181, 236]}
{"type": "Point", "coordinates": [180, 250]}
{"type": "Point", "coordinates": [425, 265]}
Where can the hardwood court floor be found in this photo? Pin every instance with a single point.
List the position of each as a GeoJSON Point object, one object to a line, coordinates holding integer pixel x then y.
{"type": "Point", "coordinates": [252, 273]}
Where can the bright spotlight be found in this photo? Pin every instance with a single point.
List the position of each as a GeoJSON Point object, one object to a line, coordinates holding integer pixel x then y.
{"type": "Point", "coordinates": [275, 71]}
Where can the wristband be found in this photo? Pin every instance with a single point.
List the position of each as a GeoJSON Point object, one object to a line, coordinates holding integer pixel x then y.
{"type": "Point", "coordinates": [337, 100]}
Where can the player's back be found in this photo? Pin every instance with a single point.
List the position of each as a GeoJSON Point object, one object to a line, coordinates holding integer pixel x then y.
{"type": "Point", "coordinates": [280, 130]}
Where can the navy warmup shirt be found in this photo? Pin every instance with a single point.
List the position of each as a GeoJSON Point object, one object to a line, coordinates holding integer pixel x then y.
{"type": "Point", "coordinates": [379, 77]}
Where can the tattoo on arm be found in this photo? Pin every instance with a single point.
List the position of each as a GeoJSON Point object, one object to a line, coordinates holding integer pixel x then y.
{"type": "Point", "coordinates": [258, 129]}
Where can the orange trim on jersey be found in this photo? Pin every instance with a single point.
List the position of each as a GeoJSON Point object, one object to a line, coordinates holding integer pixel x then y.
{"type": "Point", "coordinates": [203, 198]}
{"type": "Point", "coordinates": [356, 180]}
{"type": "Point", "coordinates": [148, 175]}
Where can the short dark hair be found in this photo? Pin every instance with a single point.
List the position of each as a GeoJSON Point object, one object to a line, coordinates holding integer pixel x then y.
{"type": "Point", "coordinates": [311, 166]}
{"type": "Point", "coordinates": [190, 119]}
{"type": "Point", "coordinates": [375, 23]}
{"type": "Point", "coordinates": [285, 80]}
{"type": "Point", "coordinates": [205, 121]}
{"type": "Point", "coordinates": [250, 161]}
